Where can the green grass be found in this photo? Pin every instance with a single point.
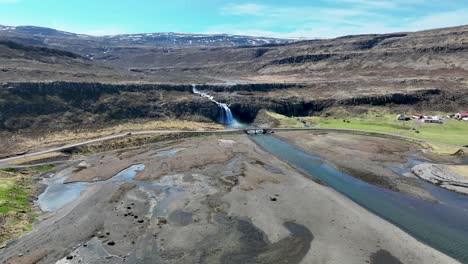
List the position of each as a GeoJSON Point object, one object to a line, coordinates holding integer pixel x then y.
{"type": "Point", "coordinates": [41, 168]}
{"type": "Point", "coordinates": [451, 132]}
{"type": "Point", "coordinates": [14, 195]}
{"type": "Point", "coordinates": [285, 121]}
{"type": "Point", "coordinates": [16, 207]}
{"type": "Point", "coordinates": [33, 169]}
{"type": "Point", "coordinates": [8, 170]}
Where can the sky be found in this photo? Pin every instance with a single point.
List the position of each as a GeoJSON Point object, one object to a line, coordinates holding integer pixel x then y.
{"type": "Point", "coordinates": [270, 18]}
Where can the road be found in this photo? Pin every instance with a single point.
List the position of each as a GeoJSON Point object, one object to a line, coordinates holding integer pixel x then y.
{"type": "Point", "coordinates": [121, 135]}
{"type": "Point", "coordinates": [4, 162]}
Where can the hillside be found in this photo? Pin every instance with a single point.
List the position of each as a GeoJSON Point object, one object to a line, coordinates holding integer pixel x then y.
{"type": "Point", "coordinates": [426, 58]}
{"type": "Point", "coordinates": [48, 89]}
{"type": "Point", "coordinates": [20, 62]}
{"type": "Point", "coordinates": [27, 63]}
{"type": "Point", "coordinates": [415, 57]}
{"type": "Point", "coordinates": [86, 45]}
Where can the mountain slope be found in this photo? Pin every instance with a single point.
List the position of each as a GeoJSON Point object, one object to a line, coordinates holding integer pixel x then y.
{"type": "Point", "coordinates": [396, 73]}
{"type": "Point", "coordinates": [26, 63]}
{"type": "Point", "coordinates": [365, 63]}
{"type": "Point", "coordinates": [85, 44]}
{"type": "Point", "coordinates": [19, 62]}
{"type": "Point", "coordinates": [427, 50]}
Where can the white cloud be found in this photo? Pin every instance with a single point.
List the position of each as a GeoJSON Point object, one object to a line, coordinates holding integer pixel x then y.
{"type": "Point", "coordinates": [382, 4]}
{"type": "Point", "coordinates": [290, 15]}
{"type": "Point", "coordinates": [443, 19]}
{"type": "Point", "coordinates": [370, 3]}
{"type": "Point", "coordinates": [361, 17]}
{"type": "Point", "coordinates": [306, 31]}
{"type": "Point", "coordinates": [243, 9]}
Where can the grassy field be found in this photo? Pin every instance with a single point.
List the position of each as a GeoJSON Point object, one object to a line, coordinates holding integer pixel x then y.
{"type": "Point", "coordinates": [16, 204]}
{"type": "Point", "coordinates": [29, 142]}
{"type": "Point", "coordinates": [65, 136]}
{"type": "Point", "coordinates": [286, 121]}
{"type": "Point", "coordinates": [14, 196]}
{"type": "Point", "coordinates": [151, 125]}
{"type": "Point", "coordinates": [16, 211]}
{"type": "Point", "coordinates": [451, 132]}
{"type": "Point", "coordinates": [37, 158]}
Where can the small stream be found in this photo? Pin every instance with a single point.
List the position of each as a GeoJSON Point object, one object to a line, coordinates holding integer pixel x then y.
{"type": "Point", "coordinates": [442, 225]}
{"type": "Point", "coordinates": [57, 194]}
{"type": "Point", "coordinates": [160, 193]}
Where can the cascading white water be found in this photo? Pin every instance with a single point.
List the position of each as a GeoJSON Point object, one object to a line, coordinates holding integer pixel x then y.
{"type": "Point", "coordinates": [225, 114]}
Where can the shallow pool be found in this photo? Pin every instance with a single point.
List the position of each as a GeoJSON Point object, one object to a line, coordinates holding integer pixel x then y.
{"type": "Point", "coordinates": [57, 194]}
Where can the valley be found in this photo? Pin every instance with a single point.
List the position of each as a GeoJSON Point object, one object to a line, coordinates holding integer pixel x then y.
{"type": "Point", "coordinates": [138, 148]}
{"type": "Point", "coordinates": [210, 189]}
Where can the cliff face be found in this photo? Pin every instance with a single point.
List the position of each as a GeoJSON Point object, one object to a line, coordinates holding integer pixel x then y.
{"type": "Point", "coordinates": [26, 105]}
{"type": "Point", "coordinates": [64, 105]}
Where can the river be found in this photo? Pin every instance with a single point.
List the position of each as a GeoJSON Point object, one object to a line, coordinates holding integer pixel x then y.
{"type": "Point", "coordinates": [442, 224]}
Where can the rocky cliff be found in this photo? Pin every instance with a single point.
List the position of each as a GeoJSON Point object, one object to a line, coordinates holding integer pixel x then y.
{"type": "Point", "coordinates": [66, 105]}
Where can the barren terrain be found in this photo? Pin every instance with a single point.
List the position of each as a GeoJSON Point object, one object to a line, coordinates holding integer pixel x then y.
{"type": "Point", "coordinates": [118, 195]}
{"type": "Point", "coordinates": [215, 199]}
{"type": "Point", "coordinates": [71, 82]}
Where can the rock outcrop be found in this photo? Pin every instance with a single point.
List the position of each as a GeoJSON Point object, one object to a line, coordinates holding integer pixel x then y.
{"type": "Point", "coordinates": [69, 105]}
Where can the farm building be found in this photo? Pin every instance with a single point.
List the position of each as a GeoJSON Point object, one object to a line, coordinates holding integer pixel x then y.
{"type": "Point", "coordinates": [461, 115]}
{"type": "Point", "coordinates": [418, 116]}
{"type": "Point", "coordinates": [434, 121]}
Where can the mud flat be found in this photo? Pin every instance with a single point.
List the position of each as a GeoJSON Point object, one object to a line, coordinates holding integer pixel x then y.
{"type": "Point", "coordinates": [214, 200]}
{"type": "Point", "coordinates": [451, 177]}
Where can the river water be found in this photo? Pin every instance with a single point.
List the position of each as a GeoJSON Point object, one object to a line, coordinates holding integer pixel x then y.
{"type": "Point", "coordinates": [57, 194]}
{"type": "Point", "coordinates": [442, 224]}
{"type": "Point", "coordinates": [161, 193]}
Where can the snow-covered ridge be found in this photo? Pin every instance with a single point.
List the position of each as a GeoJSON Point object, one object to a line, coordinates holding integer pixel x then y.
{"type": "Point", "coordinates": [185, 39]}
{"type": "Point", "coordinates": [150, 39]}
{"type": "Point", "coordinates": [6, 28]}
{"type": "Point", "coordinates": [197, 38]}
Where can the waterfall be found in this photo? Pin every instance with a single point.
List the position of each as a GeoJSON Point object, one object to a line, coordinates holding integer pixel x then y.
{"type": "Point", "coordinates": [225, 114]}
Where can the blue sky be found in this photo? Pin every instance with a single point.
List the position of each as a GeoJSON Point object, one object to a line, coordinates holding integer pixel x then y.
{"type": "Point", "coordinates": [274, 18]}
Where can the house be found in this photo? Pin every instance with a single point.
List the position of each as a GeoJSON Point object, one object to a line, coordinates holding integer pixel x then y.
{"type": "Point", "coordinates": [461, 115]}
{"type": "Point", "coordinates": [434, 121]}
{"type": "Point", "coordinates": [418, 116]}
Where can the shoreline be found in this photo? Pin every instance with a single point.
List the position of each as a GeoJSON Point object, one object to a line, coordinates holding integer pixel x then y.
{"type": "Point", "coordinates": [442, 176]}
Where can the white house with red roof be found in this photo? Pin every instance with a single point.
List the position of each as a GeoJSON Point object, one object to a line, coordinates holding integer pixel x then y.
{"type": "Point", "coordinates": [461, 115]}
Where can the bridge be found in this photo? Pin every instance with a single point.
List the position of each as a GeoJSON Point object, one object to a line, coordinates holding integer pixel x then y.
{"type": "Point", "coordinates": [256, 131]}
